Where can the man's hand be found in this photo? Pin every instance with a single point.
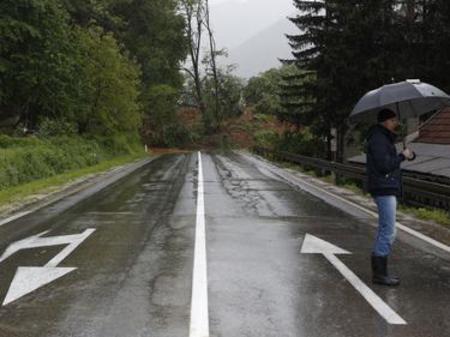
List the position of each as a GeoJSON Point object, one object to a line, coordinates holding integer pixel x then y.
{"type": "Point", "coordinates": [409, 154]}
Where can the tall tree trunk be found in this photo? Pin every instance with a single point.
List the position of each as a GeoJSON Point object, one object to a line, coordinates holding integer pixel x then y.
{"type": "Point", "coordinates": [213, 65]}
{"type": "Point", "coordinates": [193, 11]}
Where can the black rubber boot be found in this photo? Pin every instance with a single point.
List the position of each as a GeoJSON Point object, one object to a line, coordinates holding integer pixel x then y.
{"type": "Point", "coordinates": [380, 272]}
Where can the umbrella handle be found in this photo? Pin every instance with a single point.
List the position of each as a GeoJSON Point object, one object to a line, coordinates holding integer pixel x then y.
{"type": "Point", "coordinates": [397, 107]}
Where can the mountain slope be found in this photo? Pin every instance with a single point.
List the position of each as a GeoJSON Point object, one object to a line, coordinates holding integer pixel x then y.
{"type": "Point", "coordinates": [262, 51]}
{"type": "Point", "coordinates": [235, 21]}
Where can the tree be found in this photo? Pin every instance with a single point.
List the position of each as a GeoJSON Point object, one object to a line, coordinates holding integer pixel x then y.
{"type": "Point", "coordinates": [36, 64]}
{"type": "Point", "coordinates": [204, 72]}
{"type": "Point", "coordinates": [111, 85]}
{"type": "Point", "coordinates": [210, 61]}
{"type": "Point", "coordinates": [163, 127]}
{"type": "Point", "coordinates": [427, 22]}
{"type": "Point", "coordinates": [153, 32]}
{"type": "Point", "coordinates": [227, 102]}
{"type": "Point", "coordinates": [194, 17]}
{"type": "Point", "coordinates": [263, 91]}
{"type": "Point", "coordinates": [340, 55]}
{"type": "Point", "coordinates": [88, 12]}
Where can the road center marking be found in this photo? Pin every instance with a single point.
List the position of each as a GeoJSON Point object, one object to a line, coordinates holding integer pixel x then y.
{"type": "Point", "coordinates": [199, 325]}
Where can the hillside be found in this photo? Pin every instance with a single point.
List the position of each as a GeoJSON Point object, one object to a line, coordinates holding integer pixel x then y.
{"type": "Point", "coordinates": [262, 51]}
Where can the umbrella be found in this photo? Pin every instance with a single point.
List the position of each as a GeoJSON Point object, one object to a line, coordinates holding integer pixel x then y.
{"type": "Point", "coordinates": [411, 98]}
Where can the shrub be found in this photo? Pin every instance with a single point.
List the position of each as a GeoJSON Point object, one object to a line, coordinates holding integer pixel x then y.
{"type": "Point", "coordinates": [303, 143]}
{"type": "Point", "coordinates": [267, 138]}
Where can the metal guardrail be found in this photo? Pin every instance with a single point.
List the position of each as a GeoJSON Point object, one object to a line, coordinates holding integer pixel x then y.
{"type": "Point", "coordinates": [418, 189]}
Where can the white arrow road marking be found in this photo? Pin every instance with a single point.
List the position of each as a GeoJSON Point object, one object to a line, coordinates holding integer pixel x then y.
{"type": "Point", "coordinates": [320, 192]}
{"type": "Point", "coordinates": [199, 325]}
{"type": "Point", "coordinates": [314, 245]}
{"type": "Point", "coordinates": [28, 279]}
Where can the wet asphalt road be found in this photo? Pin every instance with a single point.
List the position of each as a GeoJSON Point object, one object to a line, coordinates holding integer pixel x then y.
{"type": "Point", "coordinates": [134, 275]}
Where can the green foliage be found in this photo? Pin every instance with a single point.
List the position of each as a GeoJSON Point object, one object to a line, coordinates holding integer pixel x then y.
{"type": "Point", "coordinates": [262, 92]}
{"type": "Point", "coordinates": [229, 105]}
{"type": "Point", "coordinates": [25, 160]}
{"type": "Point", "coordinates": [111, 85]}
{"type": "Point", "coordinates": [162, 125]}
{"type": "Point", "coordinates": [87, 12]}
{"type": "Point", "coordinates": [437, 215]}
{"type": "Point", "coordinates": [153, 32]}
{"type": "Point", "coordinates": [267, 139]}
{"type": "Point", "coordinates": [119, 143]}
{"type": "Point", "coordinates": [56, 127]}
{"type": "Point", "coordinates": [269, 104]}
{"type": "Point", "coordinates": [84, 65]}
{"type": "Point", "coordinates": [54, 71]}
{"type": "Point", "coordinates": [26, 191]}
{"type": "Point", "coordinates": [7, 142]}
{"type": "Point", "coordinates": [302, 142]}
{"type": "Point", "coordinates": [36, 63]}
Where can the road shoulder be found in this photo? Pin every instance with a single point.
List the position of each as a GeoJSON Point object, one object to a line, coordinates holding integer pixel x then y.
{"type": "Point", "coordinates": [103, 179]}
{"type": "Point", "coordinates": [427, 228]}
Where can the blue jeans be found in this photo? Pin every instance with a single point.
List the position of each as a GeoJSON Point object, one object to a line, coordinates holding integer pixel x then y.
{"type": "Point", "coordinates": [387, 212]}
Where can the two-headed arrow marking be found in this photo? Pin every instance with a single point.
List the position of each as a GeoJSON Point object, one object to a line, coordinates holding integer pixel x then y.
{"type": "Point", "coordinates": [28, 279]}
{"type": "Point", "coordinates": [314, 245]}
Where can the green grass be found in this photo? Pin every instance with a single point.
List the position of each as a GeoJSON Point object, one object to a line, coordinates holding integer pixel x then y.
{"type": "Point", "coordinates": [23, 160]}
{"type": "Point", "coordinates": [355, 189]}
{"type": "Point", "coordinates": [46, 185]}
{"type": "Point", "coordinates": [437, 215]}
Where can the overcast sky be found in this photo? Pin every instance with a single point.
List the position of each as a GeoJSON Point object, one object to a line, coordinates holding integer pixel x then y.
{"type": "Point", "coordinates": [213, 2]}
{"type": "Point", "coordinates": [253, 33]}
{"type": "Point", "coordinates": [235, 21]}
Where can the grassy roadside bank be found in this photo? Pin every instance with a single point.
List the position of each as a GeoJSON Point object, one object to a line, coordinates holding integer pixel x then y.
{"type": "Point", "coordinates": [26, 191]}
{"type": "Point", "coordinates": [34, 166]}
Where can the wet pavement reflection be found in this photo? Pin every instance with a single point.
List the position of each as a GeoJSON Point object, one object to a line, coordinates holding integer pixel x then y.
{"type": "Point", "coordinates": [134, 273]}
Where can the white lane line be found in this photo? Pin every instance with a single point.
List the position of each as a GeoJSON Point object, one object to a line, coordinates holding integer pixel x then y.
{"type": "Point", "coordinates": [398, 224]}
{"type": "Point", "coordinates": [14, 217]}
{"type": "Point", "coordinates": [404, 228]}
{"type": "Point", "coordinates": [374, 300]}
{"type": "Point", "coordinates": [199, 326]}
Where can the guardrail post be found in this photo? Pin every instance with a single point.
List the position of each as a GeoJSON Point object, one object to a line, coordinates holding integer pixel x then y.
{"type": "Point", "coordinates": [333, 145]}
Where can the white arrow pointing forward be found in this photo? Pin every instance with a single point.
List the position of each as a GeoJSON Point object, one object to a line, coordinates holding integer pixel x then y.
{"type": "Point", "coordinates": [28, 279]}
{"type": "Point", "coordinates": [314, 245]}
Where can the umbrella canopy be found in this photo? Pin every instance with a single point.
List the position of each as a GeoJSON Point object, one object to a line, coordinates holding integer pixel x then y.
{"type": "Point", "coordinates": [410, 98]}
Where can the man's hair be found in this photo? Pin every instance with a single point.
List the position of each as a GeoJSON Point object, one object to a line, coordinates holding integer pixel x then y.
{"type": "Point", "coordinates": [385, 114]}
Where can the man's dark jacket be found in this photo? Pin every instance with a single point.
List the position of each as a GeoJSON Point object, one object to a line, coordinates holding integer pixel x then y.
{"type": "Point", "coordinates": [383, 162]}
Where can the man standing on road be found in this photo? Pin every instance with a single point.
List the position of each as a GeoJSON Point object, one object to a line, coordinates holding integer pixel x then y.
{"type": "Point", "coordinates": [384, 183]}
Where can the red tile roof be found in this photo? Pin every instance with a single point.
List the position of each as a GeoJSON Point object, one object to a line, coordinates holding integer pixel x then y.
{"type": "Point", "coordinates": [436, 130]}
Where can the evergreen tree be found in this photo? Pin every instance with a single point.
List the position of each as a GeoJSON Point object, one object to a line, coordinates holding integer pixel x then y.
{"type": "Point", "coordinates": [344, 49]}
{"type": "Point", "coordinates": [430, 47]}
